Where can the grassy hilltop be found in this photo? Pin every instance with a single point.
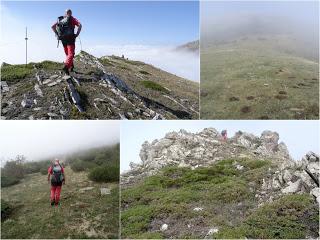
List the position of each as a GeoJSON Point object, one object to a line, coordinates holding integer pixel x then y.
{"type": "Point", "coordinates": [258, 77]}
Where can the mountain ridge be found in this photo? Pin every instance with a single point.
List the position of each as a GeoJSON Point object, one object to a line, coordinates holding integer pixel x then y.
{"type": "Point", "coordinates": [109, 87]}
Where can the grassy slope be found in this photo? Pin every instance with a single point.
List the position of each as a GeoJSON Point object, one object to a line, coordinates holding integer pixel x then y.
{"type": "Point", "coordinates": [135, 73]}
{"type": "Point", "coordinates": [227, 197]}
{"type": "Point", "coordinates": [240, 69]}
{"type": "Point", "coordinates": [81, 215]}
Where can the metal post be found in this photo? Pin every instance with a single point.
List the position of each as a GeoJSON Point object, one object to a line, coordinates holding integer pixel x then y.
{"type": "Point", "coordinates": [26, 38]}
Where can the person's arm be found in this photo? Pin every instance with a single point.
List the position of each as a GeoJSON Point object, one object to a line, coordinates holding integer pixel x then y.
{"type": "Point", "coordinates": [64, 176]}
{"type": "Point", "coordinates": [79, 30]}
{"type": "Point", "coordinates": [49, 173]}
{"type": "Point", "coordinates": [78, 24]}
{"type": "Point", "coordinates": [53, 27]}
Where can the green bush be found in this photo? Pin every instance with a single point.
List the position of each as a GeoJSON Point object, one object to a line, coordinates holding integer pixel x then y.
{"type": "Point", "coordinates": [7, 181]}
{"type": "Point", "coordinates": [6, 210]}
{"type": "Point", "coordinates": [154, 86]}
{"type": "Point", "coordinates": [80, 165]}
{"type": "Point", "coordinates": [105, 174]}
{"type": "Point", "coordinates": [44, 170]}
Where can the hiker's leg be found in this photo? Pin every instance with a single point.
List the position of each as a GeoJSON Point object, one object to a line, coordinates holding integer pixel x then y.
{"type": "Point", "coordinates": [65, 49]}
{"type": "Point", "coordinates": [69, 59]}
{"type": "Point", "coordinates": [52, 194]}
{"type": "Point", "coordinates": [58, 191]}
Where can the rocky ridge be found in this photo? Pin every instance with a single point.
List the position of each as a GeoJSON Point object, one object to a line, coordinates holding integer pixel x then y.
{"type": "Point", "coordinates": [104, 88]}
{"type": "Point", "coordinates": [185, 149]}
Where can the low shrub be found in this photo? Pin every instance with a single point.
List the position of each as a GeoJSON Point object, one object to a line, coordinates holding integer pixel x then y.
{"type": "Point", "coordinates": [105, 174]}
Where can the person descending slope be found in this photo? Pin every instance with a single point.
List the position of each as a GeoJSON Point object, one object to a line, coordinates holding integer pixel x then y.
{"type": "Point", "coordinates": [64, 30]}
{"type": "Point", "coordinates": [56, 171]}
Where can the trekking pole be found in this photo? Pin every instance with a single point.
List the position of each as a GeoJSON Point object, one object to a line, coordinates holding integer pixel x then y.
{"type": "Point", "coordinates": [80, 43]}
{"type": "Point", "coordinates": [58, 43]}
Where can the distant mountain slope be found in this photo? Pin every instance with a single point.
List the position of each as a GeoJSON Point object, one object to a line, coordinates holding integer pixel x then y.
{"type": "Point", "coordinates": [105, 88]}
{"type": "Point", "coordinates": [190, 46]}
{"type": "Point", "coordinates": [258, 77]}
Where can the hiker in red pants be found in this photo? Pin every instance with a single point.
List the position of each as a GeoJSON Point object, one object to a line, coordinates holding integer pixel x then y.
{"type": "Point", "coordinates": [56, 172]}
{"type": "Point", "coordinates": [64, 30]}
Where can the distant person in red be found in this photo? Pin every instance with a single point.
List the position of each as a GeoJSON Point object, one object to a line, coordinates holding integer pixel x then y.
{"type": "Point", "coordinates": [64, 30]}
{"type": "Point", "coordinates": [56, 172]}
{"type": "Point", "coordinates": [224, 135]}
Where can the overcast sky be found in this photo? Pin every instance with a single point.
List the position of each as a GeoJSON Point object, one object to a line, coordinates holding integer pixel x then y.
{"type": "Point", "coordinates": [299, 136]}
{"type": "Point", "coordinates": [143, 30]}
{"type": "Point", "coordinates": [40, 139]}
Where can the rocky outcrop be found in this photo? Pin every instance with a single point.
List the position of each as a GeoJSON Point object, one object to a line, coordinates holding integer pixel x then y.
{"type": "Point", "coordinates": [293, 177]}
{"type": "Point", "coordinates": [186, 149]}
{"type": "Point", "coordinates": [99, 88]}
{"type": "Point", "coordinates": [193, 150]}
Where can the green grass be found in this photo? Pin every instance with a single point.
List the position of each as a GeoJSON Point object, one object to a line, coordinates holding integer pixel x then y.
{"type": "Point", "coordinates": [14, 73]}
{"type": "Point", "coordinates": [233, 78]}
{"type": "Point", "coordinates": [171, 195]}
{"type": "Point", "coordinates": [153, 85]}
{"type": "Point", "coordinates": [49, 65]}
{"type": "Point", "coordinates": [144, 72]}
{"type": "Point", "coordinates": [132, 62]}
{"type": "Point", "coordinates": [292, 216]}
{"type": "Point", "coordinates": [80, 215]}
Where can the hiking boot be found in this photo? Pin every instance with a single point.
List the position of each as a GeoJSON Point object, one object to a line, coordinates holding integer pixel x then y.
{"type": "Point", "coordinates": [52, 203]}
{"type": "Point", "coordinates": [57, 204]}
{"type": "Point", "coordinates": [66, 70]}
{"type": "Point", "coordinates": [72, 68]}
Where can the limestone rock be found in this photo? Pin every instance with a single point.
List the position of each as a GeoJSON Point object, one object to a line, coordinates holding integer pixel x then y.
{"type": "Point", "coordinates": [164, 227]}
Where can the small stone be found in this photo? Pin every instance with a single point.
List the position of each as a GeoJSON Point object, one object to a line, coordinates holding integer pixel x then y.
{"type": "Point", "coordinates": [198, 209]}
{"type": "Point", "coordinates": [129, 115]}
{"type": "Point", "coordinates": [38, 90]}
{"type": "Point", "coordinates": [316, 193]}
{"type": "Point", "coordinates": [47, 81]}
{"type": "Point", "coordinates": [146, 114]}
{"type": "Point", "coordinates": [266, 84]}
{"type": "Point", "coordinates": [37, 109]}
{"type": "Point", "coordinates": [292, 187]}
{"type": "Point", "coordinates": [239, 167]}
{"type": "Point", "coordinates": [52, 84]}
{"type": "Point", "coordinates": [85, 189]}
{"type": "Point", "coordinates": [212, 231]}
{"type": "Point", "coordinates": [31, 117]}
{"type": "Point", "coordinates": [52, 114]}
{"type": "Point", "coordinates": [105, 191]}
{"type": "Point", "coordinates": [164, 227]}
{"type": "Point", "coordinates": [26, 103]}
{"type": "Point", "coordinates": [54, 76]}
{"type": "Point", "coordinates": [66, 78]}
{"type": "Point", "coordinates": [137, 110]}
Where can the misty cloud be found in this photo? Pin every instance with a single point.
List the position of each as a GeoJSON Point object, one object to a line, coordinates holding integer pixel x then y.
{"type": "Point", "coordinates": [229, 21]}
{"type": "Point", "coordinates": [40, 139]}
{"type": "Point", "coordinates": [181, 63]}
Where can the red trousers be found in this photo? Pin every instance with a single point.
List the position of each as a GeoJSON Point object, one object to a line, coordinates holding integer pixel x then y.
{"type": "Point", "coordinates": [55, 193]}
{"type": "Point", "coordinates": [69, 51]}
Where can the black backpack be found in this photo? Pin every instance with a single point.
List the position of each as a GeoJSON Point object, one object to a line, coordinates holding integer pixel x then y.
{"type": "Point", "coordinates": [57, 176]}
{"type": "Point", "coordinates": [64, 27]}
